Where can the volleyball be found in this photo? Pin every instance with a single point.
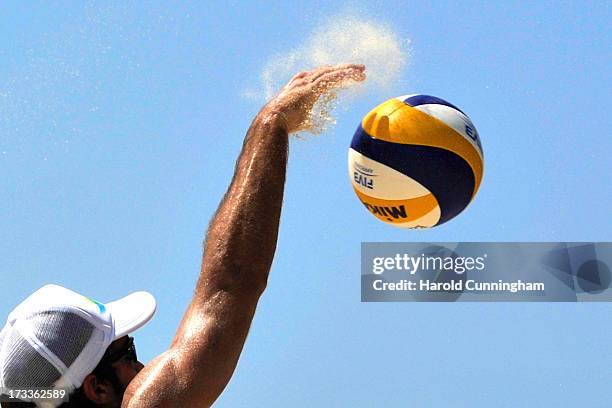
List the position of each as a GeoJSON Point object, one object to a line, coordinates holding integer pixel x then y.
{"type": "Point", "coordinates": [416, 161]}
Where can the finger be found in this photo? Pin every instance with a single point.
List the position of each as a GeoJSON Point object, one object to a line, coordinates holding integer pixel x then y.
{"type": "Point", "coordinates": [340, 77]}
{"type": "Point", "coordinates": [301, 78]}
{"type": "Point", "coordinates": [322, 70]}
{"type": "Point", "coordinates": [313, 75]}
{"type": "Point", "coordinates": [299, 75]}
{"type": "Point", "coordinates": [316, 74]}
{"type": "Point", "coordinates": [353, 71]}
{"type": "Point", "coordinates": [360, 67]}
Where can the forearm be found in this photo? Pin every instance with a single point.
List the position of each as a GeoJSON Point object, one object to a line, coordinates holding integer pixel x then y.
{"type": "Point", "coordinates": [241, 240]}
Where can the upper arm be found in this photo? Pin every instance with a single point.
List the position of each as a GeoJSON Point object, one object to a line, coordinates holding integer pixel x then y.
{"type": "Point", "coordinates": [202, 357]}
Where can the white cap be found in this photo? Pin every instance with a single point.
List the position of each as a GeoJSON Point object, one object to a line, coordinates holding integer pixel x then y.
{"type": "Point", "coordinates": [56, 337]}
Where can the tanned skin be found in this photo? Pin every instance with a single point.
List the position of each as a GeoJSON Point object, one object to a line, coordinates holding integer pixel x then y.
{"type": "Point", "coordinates": [238, 253]}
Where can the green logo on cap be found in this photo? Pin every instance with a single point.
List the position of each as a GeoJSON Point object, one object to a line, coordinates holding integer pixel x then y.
{"type": "Point", "coordinates": [100, 305]}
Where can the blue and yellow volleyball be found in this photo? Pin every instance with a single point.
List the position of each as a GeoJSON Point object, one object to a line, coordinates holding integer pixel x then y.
{"type": "Point", "coordinates": [416, 161]}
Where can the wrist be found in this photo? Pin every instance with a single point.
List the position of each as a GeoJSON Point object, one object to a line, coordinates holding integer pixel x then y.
{"type": "Point", "coordinates": [274, 118]}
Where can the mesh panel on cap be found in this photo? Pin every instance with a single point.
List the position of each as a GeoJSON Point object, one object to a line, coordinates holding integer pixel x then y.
{"type": "Point", "coordinates": [63, 332]}
{"type": "Point", "coordinates": [3, 333]}
{"type": "Point", "coordinates": [24, 367]}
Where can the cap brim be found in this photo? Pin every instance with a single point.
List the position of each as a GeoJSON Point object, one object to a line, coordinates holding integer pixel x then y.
{"type": "Point", "coordinates": [131, 312]}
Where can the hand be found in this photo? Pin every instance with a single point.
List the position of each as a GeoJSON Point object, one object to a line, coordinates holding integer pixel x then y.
{"type": "Point", "coordinates": [295, 101]}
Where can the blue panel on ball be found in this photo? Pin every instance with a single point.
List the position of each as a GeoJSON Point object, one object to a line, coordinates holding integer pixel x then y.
{"type": "Point", "coordinates": [449, 177]}
{"type": "Point", "coordinates": [417, 100]}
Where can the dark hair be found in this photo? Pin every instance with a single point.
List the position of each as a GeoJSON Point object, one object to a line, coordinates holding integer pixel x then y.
{"type": "Point", "coordinates": [103, 372]}
{"type": "Point", "coordinates": [17, 405]}
{"type": "Point", "coordinates": [78, 399]}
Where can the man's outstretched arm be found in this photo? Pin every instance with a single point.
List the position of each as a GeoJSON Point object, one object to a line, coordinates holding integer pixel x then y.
{"type": "Point", "coordinates": [238, 252]}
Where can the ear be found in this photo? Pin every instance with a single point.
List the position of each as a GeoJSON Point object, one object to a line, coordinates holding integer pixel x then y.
{"type": "Point", "coordinates": [99, 392]}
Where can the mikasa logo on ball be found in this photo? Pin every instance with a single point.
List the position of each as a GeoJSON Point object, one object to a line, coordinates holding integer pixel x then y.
{"type": "Point", "coordinates": [390, 213]}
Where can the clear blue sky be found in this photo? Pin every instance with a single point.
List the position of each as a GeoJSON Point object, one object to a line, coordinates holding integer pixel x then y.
{"type": "Point", "coordinates": [120, 125]}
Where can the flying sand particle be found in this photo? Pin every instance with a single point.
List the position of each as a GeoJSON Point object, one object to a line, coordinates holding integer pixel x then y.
{"type": "Point", "coordinates": [341, 39]}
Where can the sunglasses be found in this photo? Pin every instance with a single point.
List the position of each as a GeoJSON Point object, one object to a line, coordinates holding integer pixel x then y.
{"type": "Point", "coordinates": [127, 353]}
